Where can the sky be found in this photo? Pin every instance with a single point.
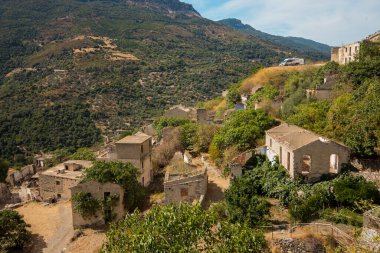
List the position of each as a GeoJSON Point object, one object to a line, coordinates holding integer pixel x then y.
{"type": "Point", "coordinates": [333, 22]}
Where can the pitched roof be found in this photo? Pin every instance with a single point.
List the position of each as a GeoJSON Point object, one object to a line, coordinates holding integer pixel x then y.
{"type": "Point", "coordinates": [135, 139]}
{"type": "Point", "coordinates": [295, 137]}
{"type": "Point", "coordinates": [329, 82]}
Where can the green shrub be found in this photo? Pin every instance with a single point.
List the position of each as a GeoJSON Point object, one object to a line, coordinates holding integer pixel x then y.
{"type": "Point", "coordinates": [181, 228]}
{"type": "Point", "coordinates": [86, 205]}
{"type": "Point", "coordinates": [349, 189]}
{"type": "Point", "coordinates": [163, 122]}
{"type": "Point", "coordinates": [13, 232]}
{"type": "Point", "coordinates": [243, 204]}
{"type": "Point", "coordinates": [344, 216]}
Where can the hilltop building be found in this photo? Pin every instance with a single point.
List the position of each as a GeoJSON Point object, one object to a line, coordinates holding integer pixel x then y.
{"type": "Point", "coordinates": [55, 183]}
{"type": "Point", "coordinates": [305, 153]}
{"type": "Point", "coordinates": [135, 149]}
{"type": "Point", "coordinates": [347, 53]}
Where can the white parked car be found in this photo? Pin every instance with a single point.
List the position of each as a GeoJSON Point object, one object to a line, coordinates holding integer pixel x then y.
{"type": "Point", "coordinates": [292, 62]}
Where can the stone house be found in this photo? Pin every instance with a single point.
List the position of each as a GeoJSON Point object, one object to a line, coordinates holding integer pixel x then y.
{"type": "Point", "coordinates": [185, 183]}
{"type": "Point", "coordinates": [135, 149]}
{"type": "Point", "coordinates": [100, 192]}
{"type": "Point", "coordinates": [346, 53]}
{"type": "Point", "coordinates": [305, 153]}
{"type": "Point", "coordinates": [55, 183]}
{"type": "Point", "coordinates": [324, 91]}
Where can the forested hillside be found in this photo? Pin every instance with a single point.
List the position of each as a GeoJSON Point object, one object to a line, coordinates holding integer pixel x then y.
{"type": "Point", "coordinates": [120, 62]}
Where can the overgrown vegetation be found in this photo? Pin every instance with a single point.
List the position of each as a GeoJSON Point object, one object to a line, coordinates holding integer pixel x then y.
{"type": "Point", "coordinates": [86, 205]}
{"type": "Point", "coordinates": [123, 174]}
{"type": "Point", "coordinates": [13, 233]}
{"type": "Point", "coordinates": [181, 228]}
{"type": "Point", "coordinates": [306, 201]}
{"type": "Point", "coordinates": [242, 130]}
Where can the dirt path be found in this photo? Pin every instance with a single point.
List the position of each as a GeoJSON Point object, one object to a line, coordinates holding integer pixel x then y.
{"type": "Point", "coordinates": [51, 226]}
{"type": "Point", "coordinates": [217, 184]}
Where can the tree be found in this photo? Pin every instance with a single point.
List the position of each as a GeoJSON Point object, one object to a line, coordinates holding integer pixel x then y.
{"type": "Point", "coordinates": [180, 228]}
{"type": "Point", "coordinates": [311, 116]}
{"type": "Point", "coordinates": [13, 232]}
{"type": "Point", "coordinates": [83, 154]}
{"type": "Point", "coordinates": [4, 166]}
{"type": "Point", "coordinates": [188, 134]}
{"type": "Point", "coordinates": [349, 189]}
{"type": "Point", "coordinates": [204, 136]}
{"type": "Point", "coordinates": [163, 122]}
{"type": "Point", "coordinates": [242, 130]}
{"type": "Point", "coordinates": [243, 204]}
{"type": "Point", "coordinates": [233, 96]}
{"type": "Point", "coordinates": [123, 174]}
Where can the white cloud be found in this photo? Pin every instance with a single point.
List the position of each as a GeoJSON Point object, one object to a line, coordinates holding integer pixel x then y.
{"type": "Point", "coordinates": [332, 22]}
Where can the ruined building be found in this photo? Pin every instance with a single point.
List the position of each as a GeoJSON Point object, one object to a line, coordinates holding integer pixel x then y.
{"type": "Point", "coordinates": [305, 153]}
{"type": "Point", "coordinates": [135, 149]}
{"type": "Point", "coordinates": [348, 52]}
{"type": "Point", "coordinates": [184, 182]}
{"type": "Point", "coordinates": [101, 192]}
{"type": "Point", "coordinates": [55, 183]}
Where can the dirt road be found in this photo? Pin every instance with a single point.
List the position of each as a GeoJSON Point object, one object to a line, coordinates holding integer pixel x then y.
{"type": "Point", "coordinates": [51, 226]}
{"type": "Point", "coordinates": [217, 184]}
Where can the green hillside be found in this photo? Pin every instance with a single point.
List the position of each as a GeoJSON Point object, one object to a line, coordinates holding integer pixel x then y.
{"type": "Point", "coordinates": [121, 62]}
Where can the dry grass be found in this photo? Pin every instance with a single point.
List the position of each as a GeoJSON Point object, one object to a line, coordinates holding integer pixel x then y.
{"type": "Point", "coordinates": [119, 56]}
{"type": "Point", "coordinates": [214, 103]}
{"type": "Point", "coordinates": [272, 75]}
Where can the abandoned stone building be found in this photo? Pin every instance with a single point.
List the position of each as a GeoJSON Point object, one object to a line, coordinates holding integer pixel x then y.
{"type": "Point", "coordinates": [55, 183]}
{"type": "Point", "coordinates": [305, 153]}
{"type": "Point", "coordinates": [135, 149]}
{"type": "Point", "coordinates": [346, 53]}
{"type": "Point", "coordinates": [325, 90]}
{"type": "Point", "coordinates": [100, 192]}
{"type": "Point", "coordinates": [184, 182]}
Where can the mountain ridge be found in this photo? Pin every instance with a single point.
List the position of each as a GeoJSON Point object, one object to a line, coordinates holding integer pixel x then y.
{"type": "Point", "coordinates": [299, 44]}
{"type": "Point", "coordinates": [121, 64]}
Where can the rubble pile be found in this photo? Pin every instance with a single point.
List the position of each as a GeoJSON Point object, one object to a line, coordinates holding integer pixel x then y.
{"type": "Point", "coordinates": [305, 245]}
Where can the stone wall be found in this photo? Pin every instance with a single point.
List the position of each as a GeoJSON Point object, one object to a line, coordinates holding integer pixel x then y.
{"type": "Point", "coordinates": [98, 191]}
{"type": "Point", "coordinates": [56, 187]}
{"type": "Point", "coordinates": [188, 189]}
